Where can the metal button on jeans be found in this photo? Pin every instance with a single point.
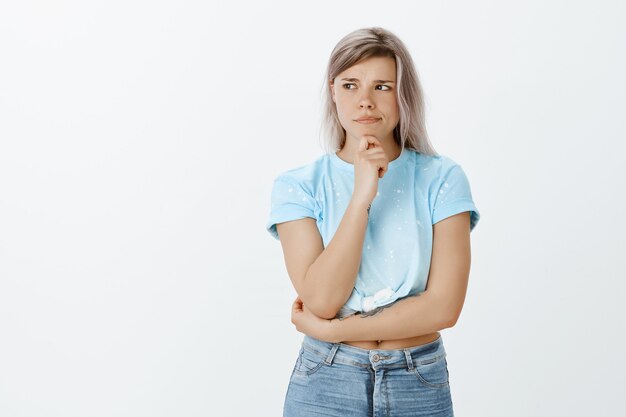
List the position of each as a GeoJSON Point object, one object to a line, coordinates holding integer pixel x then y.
{"type": "Point", "coordinates": [376, 358]}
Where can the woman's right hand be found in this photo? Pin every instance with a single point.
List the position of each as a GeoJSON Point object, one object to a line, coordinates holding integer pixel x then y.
{"type": "Point", "coordinates": [370, 164]}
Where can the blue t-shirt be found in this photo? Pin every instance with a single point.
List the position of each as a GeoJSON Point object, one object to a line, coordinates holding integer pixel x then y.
{"type": "Point", "coordinates": [416, 192]}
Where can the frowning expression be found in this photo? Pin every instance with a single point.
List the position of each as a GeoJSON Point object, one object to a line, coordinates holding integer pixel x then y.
{"type": "Point", "coordinates": [366, 99]}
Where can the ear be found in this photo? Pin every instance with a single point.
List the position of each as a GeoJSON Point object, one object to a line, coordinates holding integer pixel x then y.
{"type": "Point", "coordinates": [332, 91]}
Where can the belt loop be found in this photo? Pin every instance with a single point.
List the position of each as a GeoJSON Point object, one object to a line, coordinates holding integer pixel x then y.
{"type": "Point", "coordinates": [409, 359]}
{"type": "Point", "coordinates": [331, 354]}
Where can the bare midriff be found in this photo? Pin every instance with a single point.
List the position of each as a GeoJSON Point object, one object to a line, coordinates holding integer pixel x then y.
{"type": "Point", "coordinates": [395, 344]}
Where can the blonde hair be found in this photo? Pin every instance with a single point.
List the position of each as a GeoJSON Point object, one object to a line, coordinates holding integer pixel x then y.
{"type": "Point", "coordinates": [358, 46]}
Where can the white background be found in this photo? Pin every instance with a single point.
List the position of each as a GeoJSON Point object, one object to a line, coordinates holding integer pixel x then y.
{"type": "Point", "coordinates": [138, 144]}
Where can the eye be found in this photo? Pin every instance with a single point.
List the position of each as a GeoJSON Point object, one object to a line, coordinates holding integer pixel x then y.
{"type": "Point", "coordinates": [344, 86]}
{"type": "Point", "coordinates": [381, 85]}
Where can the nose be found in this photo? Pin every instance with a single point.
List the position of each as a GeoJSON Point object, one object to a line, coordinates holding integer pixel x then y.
{"type": "Point", "coordinates": [365, 100]}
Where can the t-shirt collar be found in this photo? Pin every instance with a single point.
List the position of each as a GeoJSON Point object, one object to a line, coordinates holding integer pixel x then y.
{"type": "Point", "coordinates": [348, 167]}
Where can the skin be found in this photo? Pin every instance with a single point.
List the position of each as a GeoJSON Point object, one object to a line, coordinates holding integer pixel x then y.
{"type": "Point", "coordinates": [414, 320]}
{"type": "Point", "coordinates": [367, 97]}
{"type": "Point", "coordinates": [397, 325]}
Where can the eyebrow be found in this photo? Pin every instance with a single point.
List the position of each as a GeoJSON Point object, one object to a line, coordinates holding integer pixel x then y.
{"type": "Point", "coordinates": [376, 81]}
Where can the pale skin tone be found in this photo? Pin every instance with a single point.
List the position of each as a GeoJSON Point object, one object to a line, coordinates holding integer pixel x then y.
{"type": "Point", "coordinates": [324, 278]}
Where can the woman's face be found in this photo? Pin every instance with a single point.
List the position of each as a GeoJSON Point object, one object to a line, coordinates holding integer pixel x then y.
{"type": "Point", "coordinates": [367, 89]}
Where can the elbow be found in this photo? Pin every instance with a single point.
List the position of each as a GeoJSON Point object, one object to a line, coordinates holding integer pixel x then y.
{"type": "Point", "coordinates": [450, 319]}
{"type": "Point", "coordinates": [324, 303]}
{"type": "Point", "coordinates": [319, 305]}
{"type": "Point", "coordinates": [327, 315]}
{"type": "Point", "coordinates": [449, 311]}
{"type": "Point", "coordinates": [322, 310]}
{"type": "Point", "coordinates": [449, 322]}
{"type": "Point", "coordinates": [326, 306]}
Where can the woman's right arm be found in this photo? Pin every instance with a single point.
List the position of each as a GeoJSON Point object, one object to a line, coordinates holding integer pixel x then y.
{"type": "Point", "coordinates": [324, 277]}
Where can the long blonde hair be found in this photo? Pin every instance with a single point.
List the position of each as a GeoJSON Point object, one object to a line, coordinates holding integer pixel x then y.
{"type": "Point", "coordinates": [365, 43]}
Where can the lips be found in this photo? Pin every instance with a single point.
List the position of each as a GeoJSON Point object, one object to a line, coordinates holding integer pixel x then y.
{"type": "Point", "coordinates": [368, 120]}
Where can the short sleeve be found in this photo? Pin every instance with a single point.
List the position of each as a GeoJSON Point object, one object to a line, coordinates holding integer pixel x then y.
{"type": "Point", "coordinates": [289, 201]}
{"type": "Point", "coordinates": [454, 195]}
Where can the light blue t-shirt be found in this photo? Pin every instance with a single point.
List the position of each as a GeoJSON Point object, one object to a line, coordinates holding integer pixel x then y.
{"type": "Point", "coordinates": [416, 192]}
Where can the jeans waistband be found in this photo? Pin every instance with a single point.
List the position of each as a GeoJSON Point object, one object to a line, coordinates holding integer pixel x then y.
{"type": "Point", "coordinates": [377, 358]}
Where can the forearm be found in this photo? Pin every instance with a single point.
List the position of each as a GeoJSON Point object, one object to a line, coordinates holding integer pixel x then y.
{"type": "Point", "coordinates": [331, 278]}
{"type": "Point", "coordinates": [409, 317]}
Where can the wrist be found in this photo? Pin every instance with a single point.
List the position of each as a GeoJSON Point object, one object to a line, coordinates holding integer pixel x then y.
{"type": "Point", "coordinates": [361, 204]}
{"type": "Point", "coordinates": [334, 330]}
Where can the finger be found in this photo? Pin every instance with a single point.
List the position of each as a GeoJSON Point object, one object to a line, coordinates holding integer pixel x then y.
{"type": "Point", "coordinates": [378, 150]}
{"type": "Point", "coordinates": [373, 140]}
{"type": "Point", "coordinates": [296, 307]}
{"type": "Point", "coordinates": [363, 143]}
{"type": "Point", "coordinates": [368, 142]}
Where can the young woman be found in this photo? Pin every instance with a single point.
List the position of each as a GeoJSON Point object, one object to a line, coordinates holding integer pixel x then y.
{"type": "Point", "coordinates": [376, 241]}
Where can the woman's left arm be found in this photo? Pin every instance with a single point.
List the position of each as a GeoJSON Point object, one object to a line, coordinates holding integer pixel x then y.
{"type": "Point", "coordinates": [437, 308]}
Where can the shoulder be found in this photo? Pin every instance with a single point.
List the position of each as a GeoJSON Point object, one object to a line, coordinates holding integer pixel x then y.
{"type": "Point", "coordinates": [305, 176]}
{"type": "Point", "coordinates": [437, 161]}
{"type": "Point", "coordinates": [433, 167]}
{"type": "Point", "coordinates": [294, 195]}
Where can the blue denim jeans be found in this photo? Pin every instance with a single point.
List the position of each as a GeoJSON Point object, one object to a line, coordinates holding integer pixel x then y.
{"type": "Point", "coordinates": [336, 379]}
